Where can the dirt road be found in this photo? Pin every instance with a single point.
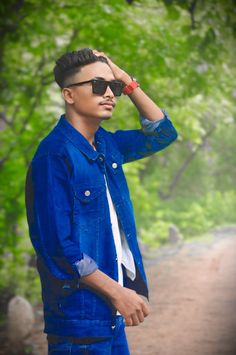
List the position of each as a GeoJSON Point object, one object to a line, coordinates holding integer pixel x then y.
{"type": "Point", "coordinates": [192, 300]}
{"type": "Point", "coordinates": [193, 303]}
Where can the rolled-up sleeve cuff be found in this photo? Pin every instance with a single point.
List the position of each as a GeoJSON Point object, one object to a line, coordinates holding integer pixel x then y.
{"type": "Point", "coordinates": [149, 126]}
{"type": "Point", "coordinates": [85, 266]}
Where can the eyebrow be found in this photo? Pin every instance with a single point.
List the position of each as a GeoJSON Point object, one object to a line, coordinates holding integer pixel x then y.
{"type": "Point", "coordinates": [101, 78]}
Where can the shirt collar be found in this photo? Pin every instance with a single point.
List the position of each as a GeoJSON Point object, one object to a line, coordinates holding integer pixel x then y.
{"type": "Point", "coordinates": [80, 141]}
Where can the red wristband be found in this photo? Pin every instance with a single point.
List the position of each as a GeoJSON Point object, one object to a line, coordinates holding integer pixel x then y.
{"type": "Point", "coordinates": [128, 89]}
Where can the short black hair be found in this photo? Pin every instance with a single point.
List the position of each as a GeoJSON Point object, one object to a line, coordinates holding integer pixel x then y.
{"type": "Point", "coordinates": [70, 63]}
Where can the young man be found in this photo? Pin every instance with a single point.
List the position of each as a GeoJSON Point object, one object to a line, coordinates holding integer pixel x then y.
{"type": "Point", "coordinates": [79, 211]}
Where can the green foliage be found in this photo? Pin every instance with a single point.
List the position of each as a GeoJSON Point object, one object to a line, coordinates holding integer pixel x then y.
{"type": "Point", "coordinates": [221, 206]}
{"type": "Point", "coordinates": [156, 233]}
{"type": "Point", "coordinates": [184, 58]}
{"type": "Point", "coordinates": [17, 272]}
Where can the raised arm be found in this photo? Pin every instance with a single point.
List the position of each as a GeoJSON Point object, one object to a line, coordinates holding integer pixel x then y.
{"type": "Point", "coordinates": [157, 130]}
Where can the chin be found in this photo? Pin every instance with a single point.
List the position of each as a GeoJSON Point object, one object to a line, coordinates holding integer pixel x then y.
{"type": "Point", "coordinates": [106, 117]}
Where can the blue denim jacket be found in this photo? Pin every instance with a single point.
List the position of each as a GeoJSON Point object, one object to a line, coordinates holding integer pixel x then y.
{"type": "Point", "coordinates": [69, 221]}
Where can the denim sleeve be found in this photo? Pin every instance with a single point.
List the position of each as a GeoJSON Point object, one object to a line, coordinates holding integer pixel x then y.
{"type": "Point", "coordinates": [150, 127]}
{"type": "Point", "coordinates": [85, 266]}
{"type": "Point", "coordinates": [49, 204]}
{"type": "Point", "coordinates": [151, 138]}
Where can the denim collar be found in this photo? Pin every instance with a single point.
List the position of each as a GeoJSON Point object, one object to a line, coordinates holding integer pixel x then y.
{"type": "Point", "coordinates": [80, 141]}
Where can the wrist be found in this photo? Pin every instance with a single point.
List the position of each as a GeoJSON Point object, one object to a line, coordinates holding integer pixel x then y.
{"type": "Point", "coordinates": [114, 292]}
{"type": "Point", "coordinates": [128, 89]}
{"type": "Point", "coordinates": [126, 78]}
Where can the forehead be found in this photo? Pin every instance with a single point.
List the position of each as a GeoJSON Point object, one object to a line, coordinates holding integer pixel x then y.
{"type": "Point", "coordinates": [97, 69]}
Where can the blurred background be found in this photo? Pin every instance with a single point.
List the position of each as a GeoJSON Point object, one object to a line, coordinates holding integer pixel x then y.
{"type": "Point", "coordinates": [183, 54]}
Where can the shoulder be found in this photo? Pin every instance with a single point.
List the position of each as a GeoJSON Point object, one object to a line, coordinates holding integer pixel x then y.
{"type": "Point", "coordinates": [109, 138]}
{"type": "Point", "coordinates": [54, 144]}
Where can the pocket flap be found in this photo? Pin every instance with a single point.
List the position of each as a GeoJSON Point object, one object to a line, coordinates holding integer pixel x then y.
{"type": "Point", "coordinates": [87, 193]}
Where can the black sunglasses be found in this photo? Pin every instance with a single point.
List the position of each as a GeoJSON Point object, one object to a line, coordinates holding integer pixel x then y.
{"type": "Point", "coordinates": [99, 86]}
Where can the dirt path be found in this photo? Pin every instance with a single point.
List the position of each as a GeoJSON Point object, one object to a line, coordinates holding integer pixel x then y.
{"type": "Point", "coordinates": [192, 300]}
{"type": "Point", "coordinates": [193, 303]}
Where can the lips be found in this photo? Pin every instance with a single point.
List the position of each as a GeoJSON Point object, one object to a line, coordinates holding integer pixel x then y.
{"type": "Point", "coordinates": [107, 103]}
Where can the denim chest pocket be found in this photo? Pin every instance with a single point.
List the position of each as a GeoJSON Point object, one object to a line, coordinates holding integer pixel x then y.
{"type": "Point", "coordinates": [89, 199]}
{"type": "Point", "coordinates": [88, 205]}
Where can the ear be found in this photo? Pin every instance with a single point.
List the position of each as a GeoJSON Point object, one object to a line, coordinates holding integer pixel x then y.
{"type": "Point", "coordinates": [68, 95]}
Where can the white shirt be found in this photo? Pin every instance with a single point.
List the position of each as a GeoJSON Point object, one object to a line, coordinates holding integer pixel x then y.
{"type": "Point", "coordinates": [124, 255]}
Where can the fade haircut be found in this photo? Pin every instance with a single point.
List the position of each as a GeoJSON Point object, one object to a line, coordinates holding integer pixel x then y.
{"type": "Point", "coordinates": [70, 63]}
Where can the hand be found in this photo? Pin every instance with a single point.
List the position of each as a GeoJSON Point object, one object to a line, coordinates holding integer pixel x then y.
{"type": "Point", "coordinates": [131, 306]}
{"type": "Point", "coordinates": [118, 73]}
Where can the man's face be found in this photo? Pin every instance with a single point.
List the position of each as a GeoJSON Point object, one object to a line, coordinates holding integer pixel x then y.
{"type": "Point", "coordinates": [81, 98]}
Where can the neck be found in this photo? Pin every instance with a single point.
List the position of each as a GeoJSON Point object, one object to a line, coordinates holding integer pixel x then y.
{"type": "Point", "coordinates": [85, 125]}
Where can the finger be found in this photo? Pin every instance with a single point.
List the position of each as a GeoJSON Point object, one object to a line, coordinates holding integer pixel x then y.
{"type": "Point", "coordinates": [146, 309]}
{"type": "Point", "coordinates": [135, 319]}
{"type": "Point", "coordinates": [140, 316]}
{"type": "Point", "coordinates": [96, 53]}
{"type": "Point", "coordinates": [100, 54]}
{"type": "Point", "coordinates": [128, 322]}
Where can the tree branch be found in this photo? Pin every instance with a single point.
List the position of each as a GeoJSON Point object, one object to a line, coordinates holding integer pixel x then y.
{"type": "Point", "coordinates": [37, 97]}
{"type": "Point", "coordinates": [191, 10]}
{"type": "Point", "coordinates": [184, 166]}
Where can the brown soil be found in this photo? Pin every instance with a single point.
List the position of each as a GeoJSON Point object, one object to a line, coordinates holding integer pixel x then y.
{"type": "Point", "coordinates": [192, 301]}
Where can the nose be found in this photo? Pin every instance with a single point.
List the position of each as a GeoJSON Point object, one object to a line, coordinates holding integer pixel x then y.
{"type": "Point", "coordinates": [108, 92]}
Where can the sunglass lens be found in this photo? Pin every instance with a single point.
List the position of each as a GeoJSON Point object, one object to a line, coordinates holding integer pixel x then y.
{"type": "Point", "coordinates": [99, 87]}
{"type": "Point", "coordinates": [116, 87]}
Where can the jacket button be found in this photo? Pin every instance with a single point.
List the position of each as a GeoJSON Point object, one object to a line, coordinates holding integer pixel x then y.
{"type": "Point", "coordinates": [101, 158]}
{"type": "Point", "coordinates": [114, 165]}
{"type": "Point", "coordinates": [87, 193]}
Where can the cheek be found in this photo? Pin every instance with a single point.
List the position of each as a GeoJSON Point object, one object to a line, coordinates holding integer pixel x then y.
{"type": "Point", "coordinates": [82, 97]}
{"type": "Point", "coordinates": [87, 102]}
